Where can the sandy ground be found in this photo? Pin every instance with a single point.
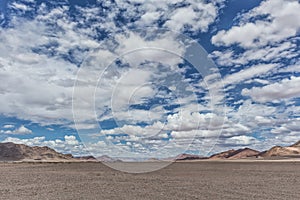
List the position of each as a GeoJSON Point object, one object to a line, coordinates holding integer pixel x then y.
{"type": "Point", "coordinates": [193, 180]}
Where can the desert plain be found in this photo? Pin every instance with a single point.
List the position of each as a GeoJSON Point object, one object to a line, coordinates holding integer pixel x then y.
{"type": "Point", "coordinates": [180, 180]}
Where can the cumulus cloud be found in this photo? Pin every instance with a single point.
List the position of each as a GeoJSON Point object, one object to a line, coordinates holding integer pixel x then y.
{"type": "Point", "coordinates": [20, 6]}
{"type": "Point", "coordinates": [44, 63]}
{"type": "Point", "coordinates": [266, 34]}
{"type": "Point", "coordinates": [271, 53]}
{"type": "Point", "coordinates": [46, 60]}
{"type": "Point", "coordinates": [287, 88]}
{"type": "Point", "coordinates": [241, 140]}
{"type": "Point", "coordinates": [280, 23]}
{"type": "Point", "coordinates": [198, 16]}
{"type": "Point", "coordinates": [287, 133]}
{"type": "Point", "coordinates": [264, 70]}
{"type": "Point", "coordinates": [8, 126]}
{"type": "Point", "coordinates": [245, 74]}
{"type": "Point", "coordinates": [55, 44]}
{"type": "Point", "coordinates": [22, 130]}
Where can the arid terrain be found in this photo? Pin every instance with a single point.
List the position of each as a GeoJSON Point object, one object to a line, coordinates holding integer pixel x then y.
{"type": "Point", "coordinates": [42, 173]}
{"type": "Point", "coordinates": [183, 180]}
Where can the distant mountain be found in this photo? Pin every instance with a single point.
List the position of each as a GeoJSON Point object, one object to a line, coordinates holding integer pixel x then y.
{"type": "Point", "coordinates": [297, 144]}
{"type": "Point", "coordinates": [15, 152]}
{"type": "Point", "coordinates": [188, 157]}
{"type": "Point", "coordinates": [153, 160]}
{"type": "Point", "coordinates": [279, 151]}
{"type": "Point", "coordinates": [106, 158]}
{"type": "Point", "coordinates": [86, 158]}
{"type": "Point", "coordinates": [236, 154]}
{"type": "Point", "coordinates": [222, 155]}
{"type": "Point", "coordinates": [18, 152]}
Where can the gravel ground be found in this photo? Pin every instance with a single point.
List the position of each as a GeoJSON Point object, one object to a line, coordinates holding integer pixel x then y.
{"type": "Point", "coordinates": [195, 180]}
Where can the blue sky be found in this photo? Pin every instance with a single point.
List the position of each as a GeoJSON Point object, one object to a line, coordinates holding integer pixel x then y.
{"type": "Point", "coordinates": [141, 78]}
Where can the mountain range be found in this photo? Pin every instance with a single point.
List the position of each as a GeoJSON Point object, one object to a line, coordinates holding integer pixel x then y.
{"type": "Point", "coordinates": [20, 152]}
{"type": "Point", "coordinates": [15, 152]}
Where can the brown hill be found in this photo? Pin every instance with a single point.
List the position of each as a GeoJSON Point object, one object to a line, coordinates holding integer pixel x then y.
{"type": "Point", "coordinates": [188, 157]}
{"type": "Point", "coordinates": [244, 153]}
{"type": "Point", "coordinates": [297, 144]}
{"type": "Point", "coordinates": [107, 159]}
{"type": "Point", "coordinates": [222, 155]}
{"type": "Point", "coordinates": [279, 151]}
{"type": "Point", "coordinates": [15, 152]}
{"type": "Point", "coordinates": [86, 158]}
{"type": "Point", "coordinates": [236, 154]}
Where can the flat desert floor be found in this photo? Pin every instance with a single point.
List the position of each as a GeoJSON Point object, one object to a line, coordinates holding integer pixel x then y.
{"type": "Point", "coordinates": [186, 180]}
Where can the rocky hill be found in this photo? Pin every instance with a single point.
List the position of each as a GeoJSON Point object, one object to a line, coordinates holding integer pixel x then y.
{"type": "Point", "coordinates": [108, 159]}
{"type": "Point", "coordinates": [86, 158]}
{"type": "Point", "coordinates": [236, 154]}
{"type": "Point", "coordinates": [16, 152]}
{"type": "Point", "coordinates": [279, 151]}
{"type": "Point", "coordinates": [188, 157]}
{"type": "Point", "coordinates": [297, 144]}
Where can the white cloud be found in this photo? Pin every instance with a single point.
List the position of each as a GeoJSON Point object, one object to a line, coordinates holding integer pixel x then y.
{"type": "Point", "coordinates": [198, 16]}
{"type": "Point", "coordinates": [281, 23]}
{"type": "Point", "coordinates": [217, 88]}
{"type": "Point", "coordinates": [248, 73]}
{"type": "Point", "coordinates": [44, 78]}
{"type": "Point", "coordinates": [8, 126]}
{"type": "Point", "coordinates": [36, 62]}
{"type": "Point", "coordinates": [52, 35]}
{"type": "Point", "coordinates": [274, 53]}
{"type": "Point", "coordinates": [20, 6]}
{"type": "Point", "coordinates": [291, 68]}
{"type": "Point", "coordinates": [285, 89]}
{"type": "Point", "coordinates": [139, 131]}
{"type": "Point", "coordinates": [130, 90]}
{"type": "Point", "coordinates": [241, 140]}
{"type": "Point", "coordinates": [30, 142]}
{"type": "Point", "coordinates": [265, 121]}
{"type": "Point", "coordinates": [287, 133]}
{"type": "Point", "coordinates": [149, 18]}
{"type": "Point", "coordinates": [290, 127]}
{"type": "Point", "coordinates": [193, 15]}
{"type": "Point", "coordinates": [22, 130]}
{"type": "Point", "coordinates": [193, 133]}
{"type": "Point", "coordinates": [267, 34]}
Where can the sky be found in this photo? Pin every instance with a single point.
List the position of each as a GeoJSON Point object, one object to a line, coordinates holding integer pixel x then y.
{"type": "Point", "coordinates": [148, 78]}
